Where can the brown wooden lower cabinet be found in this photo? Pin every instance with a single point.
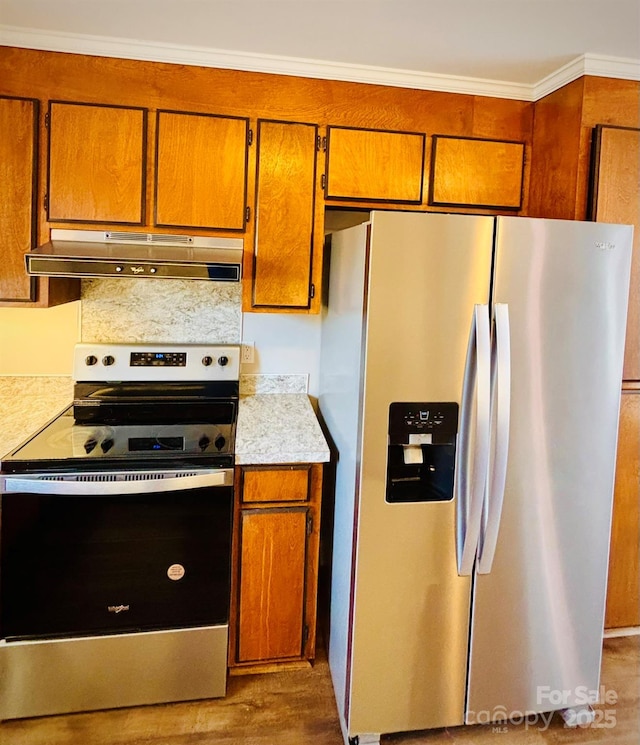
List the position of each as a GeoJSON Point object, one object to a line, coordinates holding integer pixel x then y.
{"type": "Point", "coordinates": [275, 566]}
{"type": "Point", "coordinates": [623, 600]}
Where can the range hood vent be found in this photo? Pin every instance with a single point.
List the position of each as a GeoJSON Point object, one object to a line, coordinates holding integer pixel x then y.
{"type": "Point", "coordinates": [91, 253]}
{"type": "Point", "coordinates": [173, 240]}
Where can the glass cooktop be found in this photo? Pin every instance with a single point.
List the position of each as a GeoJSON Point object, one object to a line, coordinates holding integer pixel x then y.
{"type": "Point", "coordinates": [65, 444]}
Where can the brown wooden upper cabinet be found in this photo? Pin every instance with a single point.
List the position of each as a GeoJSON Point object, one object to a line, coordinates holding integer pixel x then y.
{"type": "Point", "coordinates": [473, 172]}
{"type": "Point", "coordinates": [615, 189]}
{"type": "Point", "coordinates": [18, 168]}
{"type": "Point", "coordinates": [374, 165]}
{"type": "Point", "coordinates": [288, 224]}
{"type": "Point", "coordinates": [201, 171]}
{"type": "Point", "coordinates": [97, 163]}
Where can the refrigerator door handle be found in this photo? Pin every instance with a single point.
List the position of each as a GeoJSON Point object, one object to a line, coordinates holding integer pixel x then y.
{"type": "Point", "coordinates": [500, 417]}
{"type": "Point", "coordinates": [471, 468]}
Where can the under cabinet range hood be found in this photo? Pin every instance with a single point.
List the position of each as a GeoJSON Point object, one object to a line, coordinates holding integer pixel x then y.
{"type": "Point", "coordinates": [91, 253]}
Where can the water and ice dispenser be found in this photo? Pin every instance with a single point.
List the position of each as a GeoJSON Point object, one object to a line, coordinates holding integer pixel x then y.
{"type": "Point", "coordinates": [422, 451]}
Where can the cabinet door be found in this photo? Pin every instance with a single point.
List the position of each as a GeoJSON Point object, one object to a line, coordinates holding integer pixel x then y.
{"type": "Point", "coordinates": [285, 206]}
{"type": "Point", "coordinates": [473, 172]}
{"type": "Point", "coordinates": [623, 599]}
{"type": "Point", "coordinates": [374, 165]}
{"type": "Point", "coordinates": [201, 171]}
{"type": "Point", "coordinates": [97, 163]}
{"type": "Point", "coordinates": [272, 584]}
{"type": "Point", "coordinates": [616, 199]}
{"type": "Point", "coordinates": [18, 167]}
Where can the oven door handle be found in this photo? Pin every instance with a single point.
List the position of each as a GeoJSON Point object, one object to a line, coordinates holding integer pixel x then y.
{"type": "Point", "coordinates": [144, 483]}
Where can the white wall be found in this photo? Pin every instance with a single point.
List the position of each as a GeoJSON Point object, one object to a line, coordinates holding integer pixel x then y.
{"type": "Point", "coordinates": [38, 341]}
{"type": "Point", "coordinates": [284, 344]}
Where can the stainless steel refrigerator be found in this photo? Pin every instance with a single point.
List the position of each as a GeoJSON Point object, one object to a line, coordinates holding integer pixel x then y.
{"type": "Point", "coordinates": [470, 383]}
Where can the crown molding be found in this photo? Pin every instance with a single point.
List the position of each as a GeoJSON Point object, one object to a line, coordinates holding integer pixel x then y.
{"type": "Point", "coordinates": [597, 65]}
{"type": "Point", "coordinates": [106, 46]}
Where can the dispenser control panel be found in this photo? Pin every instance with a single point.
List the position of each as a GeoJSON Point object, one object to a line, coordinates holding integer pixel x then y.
{"type": "Point", "coordinates": [421, 451]}
{"type": "Point", "coordinates": [440, 419]}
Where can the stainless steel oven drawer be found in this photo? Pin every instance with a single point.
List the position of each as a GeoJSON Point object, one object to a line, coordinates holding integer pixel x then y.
{"type": "Point", "coordinates": [102, 672]}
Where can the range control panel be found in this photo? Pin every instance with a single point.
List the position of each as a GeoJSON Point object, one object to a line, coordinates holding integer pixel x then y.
{"type": "Point", "coordinates": [439, 419]}
{"type": "Point", "coordinates": [156, 362]}
{"type": "Point", "coordinates": [158, 359]}
{"type": "Point", "coordinates": [105, 441]}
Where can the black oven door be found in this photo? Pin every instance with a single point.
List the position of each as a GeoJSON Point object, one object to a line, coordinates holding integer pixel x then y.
{"type": "Point", "coordinates": [112, 553]}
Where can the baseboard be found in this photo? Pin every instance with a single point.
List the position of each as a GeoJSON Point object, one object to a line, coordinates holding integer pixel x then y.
{"type": "Point", "coordinates": [622, 631]}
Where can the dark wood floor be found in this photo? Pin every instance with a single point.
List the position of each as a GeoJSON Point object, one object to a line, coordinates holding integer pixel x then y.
{"type": "Point", "coordinates": [298, 708]}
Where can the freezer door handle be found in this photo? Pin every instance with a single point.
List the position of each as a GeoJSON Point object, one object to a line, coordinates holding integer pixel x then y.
{"type": "Point", "coordinates": [500, 418]}
{"type": "Point", "coordinates": [472, 461]}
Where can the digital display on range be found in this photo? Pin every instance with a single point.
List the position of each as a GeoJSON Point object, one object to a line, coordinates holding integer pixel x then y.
{"type": "Point", "coordinates": [158, 359]}
{"type": "Point", "coordinates": [151, 444]}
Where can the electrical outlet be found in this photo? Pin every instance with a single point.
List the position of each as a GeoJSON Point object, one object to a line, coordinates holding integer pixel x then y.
{"type": "Point", "coordinates": [247, 353]}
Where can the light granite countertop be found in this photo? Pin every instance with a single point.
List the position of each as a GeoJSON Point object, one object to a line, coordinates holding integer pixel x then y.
{"type": "Point", "coordinates": [28, 403]}
{"type": "Point", "coordinates": [272, 427]}
{"type": "Point", "coordinates": [278, 428]}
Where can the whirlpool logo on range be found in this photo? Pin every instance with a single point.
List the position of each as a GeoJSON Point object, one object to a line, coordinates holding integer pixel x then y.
{"type": "Point", "coordinates": [117, 608]}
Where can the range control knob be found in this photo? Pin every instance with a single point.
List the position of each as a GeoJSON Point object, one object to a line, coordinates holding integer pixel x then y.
{"type": "Point", "coordinates": [107, 444]}
{"type": "Point", "coordinates": [222, 361]}
{"type": "Point", "coordinates": [91, 360]}
{"type": "Point", "coordinates": [204, 442]}
{"type": "Point", "coordinates": [206, 361]}
{"type": "Point", "coordinates": [219, 442]}
{"type": "Point", "coordinates": [90, 444]}
{"type": "Point", "coordinates": [108, 360]}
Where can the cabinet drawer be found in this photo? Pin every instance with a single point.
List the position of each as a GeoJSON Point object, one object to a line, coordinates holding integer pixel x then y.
{"type": "Point", "coordinates": [276, 485]}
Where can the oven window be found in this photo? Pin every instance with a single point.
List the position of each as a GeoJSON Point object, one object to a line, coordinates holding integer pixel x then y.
{"type": "Point", "coordinates": [84, 565]}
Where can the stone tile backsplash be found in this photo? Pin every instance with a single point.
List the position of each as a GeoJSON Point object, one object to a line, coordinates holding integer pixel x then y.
{"type": "Point", "coordinates": [156, 310]}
